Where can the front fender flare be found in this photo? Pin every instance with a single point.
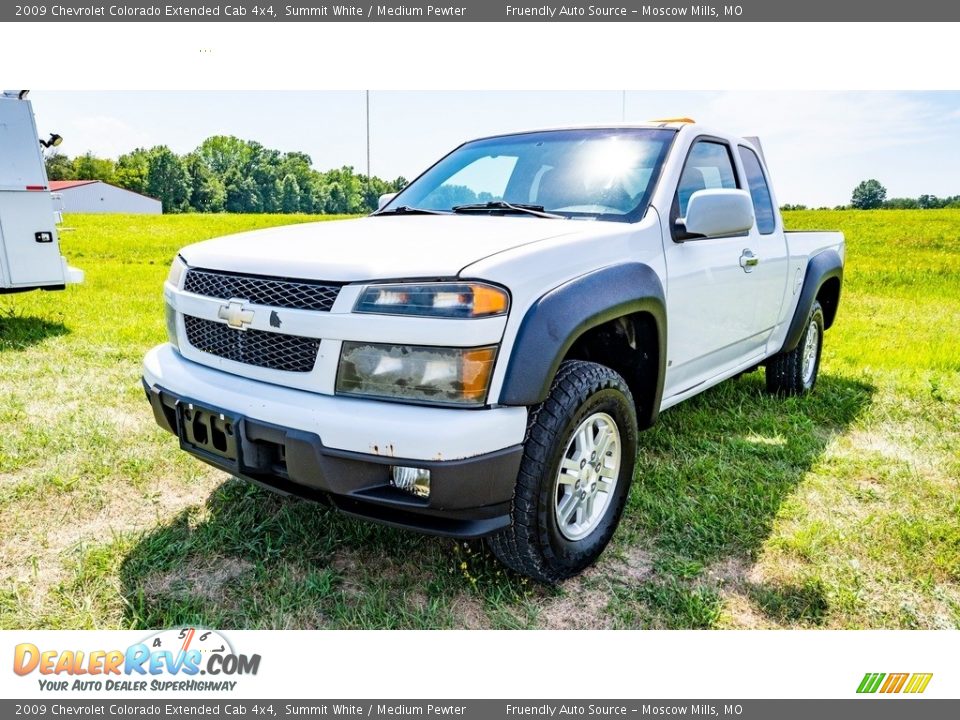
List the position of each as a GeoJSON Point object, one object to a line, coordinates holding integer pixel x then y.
{"type": "Point", "coordinates": [555, 321]}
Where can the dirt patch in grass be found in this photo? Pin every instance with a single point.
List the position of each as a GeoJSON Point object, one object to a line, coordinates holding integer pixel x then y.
{"type": "Point", "coordinates": [731, 572]}
{"type": "Point", "coordinates": [468, 613]}
{"type": "Point", "coordinates": [581, 603]}
{"type": "Point", "coordinates": [362, 565]}
{"type": "Point", "coordinates": [204, 579]}
{"type": "Point", "coordinates": [127, 420]}
{"type": "Point", "coordinates": [753, 600]}
{"type": "Point", "coordinates": [635, 566]}
{"type": "Point", "coordinates": [878, 442]}
{"type": "Point", "coordinates": [731, 577]}
{"type": "Point", "coordinates": [578, 608]}
{"type": "Point", "coordinates": [76, 520]}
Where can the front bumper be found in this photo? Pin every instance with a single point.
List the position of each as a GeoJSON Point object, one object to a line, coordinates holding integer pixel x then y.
{"type": "Point", "coordinates": [287, 443]}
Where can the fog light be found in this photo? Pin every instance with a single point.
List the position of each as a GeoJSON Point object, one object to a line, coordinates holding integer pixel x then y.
{"type": "Point", "coordinates": [413, 480]}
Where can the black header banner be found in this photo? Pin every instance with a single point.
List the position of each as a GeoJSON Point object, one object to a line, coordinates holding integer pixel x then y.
{"type": "Point", "coordinates": [49, 708]}
{"type": "Point", "coordinates": [481, 11]}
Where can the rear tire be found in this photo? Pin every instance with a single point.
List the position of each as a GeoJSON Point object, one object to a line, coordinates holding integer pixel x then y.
{"type": "Point", "coordinates": [795, 372]}
{"type": "Point", "coordinates": [575, 475]}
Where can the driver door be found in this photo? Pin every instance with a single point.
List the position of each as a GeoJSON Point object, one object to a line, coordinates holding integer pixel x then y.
{"type": "Point", "coordinates": [710, 289]}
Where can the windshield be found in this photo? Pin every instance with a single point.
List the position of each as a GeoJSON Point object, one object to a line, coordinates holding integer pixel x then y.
{"type": "Point", "coordinates": [605, 174]}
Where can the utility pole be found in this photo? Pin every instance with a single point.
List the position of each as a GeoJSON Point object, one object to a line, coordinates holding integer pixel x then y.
{"type": "Point", "coordinates": [368, 135]}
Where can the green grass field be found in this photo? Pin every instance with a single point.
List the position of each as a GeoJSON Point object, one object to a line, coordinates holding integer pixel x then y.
{"type": "Point", "coordinates": [840, 510]}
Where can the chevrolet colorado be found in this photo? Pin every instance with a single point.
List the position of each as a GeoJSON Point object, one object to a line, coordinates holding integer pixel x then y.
{"type": "Point", "coordinates": [477, 357]}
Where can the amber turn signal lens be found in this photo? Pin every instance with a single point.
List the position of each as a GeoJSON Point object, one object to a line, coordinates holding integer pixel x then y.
{"type": "Point", "coordinates": [488, 300]}
{"type": "Point", "coordinates": [476, 366]}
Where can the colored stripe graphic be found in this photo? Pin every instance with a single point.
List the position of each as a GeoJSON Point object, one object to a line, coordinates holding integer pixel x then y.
{"type": "Point", "coordinates": [894, 683]}
{"type": "Point", "coordinates": [918, 682]}
{"type": "Point", "coordinates": [870, 682]}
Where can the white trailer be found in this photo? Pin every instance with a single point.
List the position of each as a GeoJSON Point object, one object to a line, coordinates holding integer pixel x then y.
{"type": "Point", "coordinates": [29, 247]}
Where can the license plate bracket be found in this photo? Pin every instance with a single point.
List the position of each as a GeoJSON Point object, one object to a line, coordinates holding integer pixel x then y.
{"type": "Point", "coordinates": [208, 431]}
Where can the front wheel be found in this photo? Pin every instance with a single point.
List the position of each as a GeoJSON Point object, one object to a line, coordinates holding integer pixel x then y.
{"type": "Point", "coordinates": [795, 372]}
{"type": "Point", "coordinates": [575, 475]}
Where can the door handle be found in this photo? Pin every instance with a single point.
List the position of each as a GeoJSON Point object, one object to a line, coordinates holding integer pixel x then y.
{"type": "Point", "coordinates": [748, 261]}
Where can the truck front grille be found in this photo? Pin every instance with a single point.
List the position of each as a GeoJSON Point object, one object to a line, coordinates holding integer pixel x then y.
{"type": "Point", "coordinates": [276, 351]}
{"type": "Point", "coordinates": [259, 290]}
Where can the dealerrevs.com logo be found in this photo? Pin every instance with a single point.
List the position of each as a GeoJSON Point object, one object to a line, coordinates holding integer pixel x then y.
{"type": "Point", "coordinates": [184, 659]}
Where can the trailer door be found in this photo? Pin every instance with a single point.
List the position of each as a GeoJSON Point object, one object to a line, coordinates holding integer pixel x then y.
{"type": "Point", "coordinates": [29, 239]}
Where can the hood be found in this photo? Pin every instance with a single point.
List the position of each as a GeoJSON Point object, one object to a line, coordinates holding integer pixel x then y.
{"type": "Point", "coordinates": [374, 248]}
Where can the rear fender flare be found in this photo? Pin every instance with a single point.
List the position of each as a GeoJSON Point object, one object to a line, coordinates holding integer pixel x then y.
{"type": "Point", "coordinates": [820, 268]}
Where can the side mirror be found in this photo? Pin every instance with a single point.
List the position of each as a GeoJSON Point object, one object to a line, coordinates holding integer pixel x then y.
{"type": "Point", "coordinates": [713, 213]}
{"type": "Point", "coordinates": [384, 200]}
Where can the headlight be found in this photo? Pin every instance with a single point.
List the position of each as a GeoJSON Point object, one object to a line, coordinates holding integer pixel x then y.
{"type": "Point", "coordinates": [439, 299]}
{"type": "Point", "coordinates": [446, 376]}
{"type": "Point", "coordinates": [177, 269]}
{"type": "Point", "coordinates": [175, 276]}
{"type": "Point", "coordinates": [171, 317]}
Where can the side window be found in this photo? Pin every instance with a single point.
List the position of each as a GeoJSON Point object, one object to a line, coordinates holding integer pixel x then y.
{"type": "Point", "coordinates": [709, 166]}
{"type": "Point", "coordinates": [759, 191]}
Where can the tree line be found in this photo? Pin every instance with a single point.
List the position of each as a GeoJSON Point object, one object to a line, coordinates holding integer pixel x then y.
{"type": "Point", "coordinates": [227, 174]}
{"type": "Point", "coordinates": [872, 195]}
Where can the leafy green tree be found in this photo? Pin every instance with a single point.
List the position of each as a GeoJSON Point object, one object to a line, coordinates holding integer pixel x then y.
{"type": "Point", "coordinates": [868, 195]}
{"type": "Point", "coordinates": [930, 202]}
{"type": "Point", "coordinates": [59, 167]}
{"type": "Point", "coordinates": [242, 195]}
{"type": "Point", "coordinates": [90, 167]}
{"type": "Point", "coordinates": [901, 204]}
{"type": "Point", "coordinates": [263, 169]}
{"type": "Point", "coordinates": [342, 192]}
{"type": "Point", "coordinates": [168, 180]}
{"type": "Point", "coordinates": [223, 152]}
{"type": "Point", "coordinates": [298, 165]}
{"type": "Point", "coordinates": [290, 195]}
{"type": "Point", "coordinates": [132, 170]}
{"type": "Point", "coordinates": [308, 193]}
{"type": "Point", "coordinates": [207, 192]}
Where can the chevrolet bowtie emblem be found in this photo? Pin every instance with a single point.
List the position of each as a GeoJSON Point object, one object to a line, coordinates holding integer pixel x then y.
{"type": "Point", "coordinates": [235, 315]}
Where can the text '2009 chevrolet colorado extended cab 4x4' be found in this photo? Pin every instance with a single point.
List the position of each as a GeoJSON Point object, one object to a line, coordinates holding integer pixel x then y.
{"type": "Point", "coordinates": [476, 358]}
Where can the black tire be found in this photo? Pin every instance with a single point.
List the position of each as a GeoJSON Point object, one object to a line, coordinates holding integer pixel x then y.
{"type": "Point", "coordinates": [785, 371]}
{"type": "Point", "coordinates": [534, 545]}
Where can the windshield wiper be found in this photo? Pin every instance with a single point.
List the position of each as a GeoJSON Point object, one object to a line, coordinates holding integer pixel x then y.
{"type": "Point", "coordinates": [535, 210]}
{"type": "Point", "coordinates": [407, 210]}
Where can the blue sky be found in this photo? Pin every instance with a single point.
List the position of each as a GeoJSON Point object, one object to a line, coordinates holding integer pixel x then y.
{"type": "Point", "coordinates": [819, 145]}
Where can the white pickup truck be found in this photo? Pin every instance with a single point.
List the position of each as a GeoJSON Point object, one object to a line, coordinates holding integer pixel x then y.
{"type": "Point", "coordinates": [476, 358]}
